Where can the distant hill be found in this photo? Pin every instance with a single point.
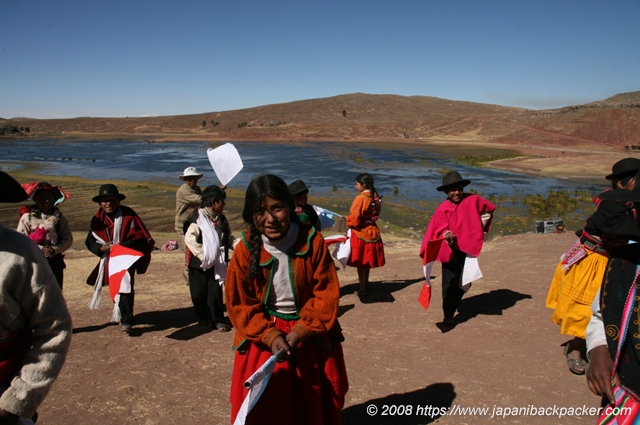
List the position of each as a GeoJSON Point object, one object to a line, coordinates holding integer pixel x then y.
{"type": "Point", "coordinates": [614, 121]}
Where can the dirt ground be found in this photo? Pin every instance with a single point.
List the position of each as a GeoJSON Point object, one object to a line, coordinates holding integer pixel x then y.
{"type": "Point", "coordinates": [503, 353]}
{"type": "Point", "coordinates": [559, 162]}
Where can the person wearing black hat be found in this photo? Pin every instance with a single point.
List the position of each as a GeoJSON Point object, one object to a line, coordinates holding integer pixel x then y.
{"type": "Point", "coordinates": [306, 213]}
{"type": "Point", "coordinates": [580, 271]}
{"type": "Point", "coordinates": [462, 220]}
{"type": "Point", "coordinates": [614, 354]}
{"type": "Point", "coordinates": [35, 325]}
{"type": "Point", "coordinates": [45, 224]}
{"type": "Point", "coordinates": [116, 224]}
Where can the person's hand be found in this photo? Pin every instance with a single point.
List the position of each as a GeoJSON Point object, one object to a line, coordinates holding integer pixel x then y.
{"type": "Point", "coordinates": [293, 339]}
{"type": "Point", "coordinates": [279, 343]}
{"type": "Point", "coordinates": [106, 247]}
{"type": "Point", "coordinates": [599, 373]}
{"type": "Point", "coordinates": [48, 251]}
{"type": "Point", "coordinates": [223, 187]}
{"type": "Point", "coordinates": [448, 235]}
{"type": "Point", "coordinates": [8, 418]}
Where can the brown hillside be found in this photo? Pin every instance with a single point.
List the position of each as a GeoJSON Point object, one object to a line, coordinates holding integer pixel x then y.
{"type": "Point", "coordinates": [614, 122]}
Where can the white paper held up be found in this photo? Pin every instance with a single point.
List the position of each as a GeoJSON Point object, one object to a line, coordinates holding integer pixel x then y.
{"type": "Point", "coordinates": [225, 161]}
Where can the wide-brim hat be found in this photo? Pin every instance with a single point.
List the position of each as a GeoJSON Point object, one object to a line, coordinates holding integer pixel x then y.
{"type": "Point", "coordinates": [59, 193]}
{"type": "Point", "coordinates": [452, 179]}
{"type": "Point", "coordinates": [11, 191]}
{"type": "Point", "coordinates": [190, 172]}
{"type": "Point", "coordinates": [624, 168]}
{"type": "Point", "coordinates": [108, 190]}
{"type": "Point", "coordinates": [297, 187]}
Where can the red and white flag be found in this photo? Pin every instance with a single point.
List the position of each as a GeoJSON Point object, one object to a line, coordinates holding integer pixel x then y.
{"type": "Point", "coordinates": [330, 240]}
{"type": "Point", "coordinates": [429, 257]}
{"type": "Point", "coordinates": [256, 385]}
{"type": "Point", "coordinates": [343, 247]}
{"type": "Point", "coordinates": [120, 259]}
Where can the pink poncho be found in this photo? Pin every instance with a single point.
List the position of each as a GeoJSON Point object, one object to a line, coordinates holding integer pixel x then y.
{"type": "Point", "coordinates": [464, 221]}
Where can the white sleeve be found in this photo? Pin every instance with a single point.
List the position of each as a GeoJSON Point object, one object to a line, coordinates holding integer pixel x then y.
{"type": "Point", "coordinates": [595, 329]}
{"type": "Point", "coordinates": [191, 241]}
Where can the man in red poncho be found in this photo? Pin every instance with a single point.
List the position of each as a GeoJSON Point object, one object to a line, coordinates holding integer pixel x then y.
{"type": "Point", "coordinates": [116, 224]}
{"type": "Point", "coordinates": [462, 219]}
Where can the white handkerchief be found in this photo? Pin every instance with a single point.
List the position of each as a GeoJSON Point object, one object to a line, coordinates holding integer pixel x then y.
{"type": "Point", "coordinates": [470, 273]}
{"type": "Point", "coordinates": [225, 161]}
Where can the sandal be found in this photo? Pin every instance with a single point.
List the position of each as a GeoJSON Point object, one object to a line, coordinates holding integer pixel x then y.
{"type": "Point", "coordinates": [223, 327]}
{"type": "Point", "coordinates": [576, 366]}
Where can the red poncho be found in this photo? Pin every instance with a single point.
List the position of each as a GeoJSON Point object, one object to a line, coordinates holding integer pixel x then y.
{"type": "Point", "coordinates": [133, 229]}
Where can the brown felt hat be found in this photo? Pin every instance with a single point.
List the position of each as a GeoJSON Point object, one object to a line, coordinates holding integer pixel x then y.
{"type": "Point", "coordinates": [452, 179]}
{"type": "Point", "coordinates": [11, 190]}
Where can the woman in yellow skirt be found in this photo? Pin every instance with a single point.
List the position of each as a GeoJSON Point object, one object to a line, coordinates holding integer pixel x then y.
{"type": "Point", "coordinates": [579, 274]}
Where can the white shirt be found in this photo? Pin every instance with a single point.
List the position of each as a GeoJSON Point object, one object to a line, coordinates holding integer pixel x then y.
{"type": "Point", "coordinates": [281, 297]}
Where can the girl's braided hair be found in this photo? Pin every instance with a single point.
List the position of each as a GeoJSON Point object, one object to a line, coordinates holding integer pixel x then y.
{"type": "Point", "coordinates": [267, 185]}
{"type": "Point", "coordinates": [366, 180]}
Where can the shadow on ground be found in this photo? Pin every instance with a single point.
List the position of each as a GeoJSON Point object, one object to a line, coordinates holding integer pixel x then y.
{"type": "Point", "coordinates": [380, 291]}
{"type": "Point", "coordinates": [426, 406]}
{"type": "Point", "coordinates": [491, 303]}
{"type": "Point", "coordinates": [155, 321]}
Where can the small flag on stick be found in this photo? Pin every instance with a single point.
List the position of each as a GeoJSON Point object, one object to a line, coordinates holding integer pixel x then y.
{"type": "Point", "coordinates": [326, 217]}
{"type": "Point", "coordinates": [256, 385]}
{"type": "Point", "coordinates": [120, 259]}
{"type": "Point", "coordinates": [429, 257]}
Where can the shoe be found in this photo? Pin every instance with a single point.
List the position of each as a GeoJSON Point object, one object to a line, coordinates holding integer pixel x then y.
{"type": "Point", "coordinates": [223, 327]}
{"type": "Point", "coordinates": [126, 328]}
{"type": "Point", "coordinates": [448, 321]}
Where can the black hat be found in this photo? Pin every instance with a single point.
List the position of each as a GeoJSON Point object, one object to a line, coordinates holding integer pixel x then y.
{"type": "Point", "coordinates": [452, 179]}
{"type": "Point", "coordinates": [11, 190]}
{"type": "Point", "coordinates": [623, 195]}
{"type": "Point", "coordinates": [108, 190]}
{"type": "Point", "coordinates": [624, 168]}
{"type": "Point", "coordinates": [297, 187]}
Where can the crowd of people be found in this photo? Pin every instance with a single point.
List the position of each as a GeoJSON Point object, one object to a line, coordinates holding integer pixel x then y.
{"type": "Point", "coordinates": [281, 289]}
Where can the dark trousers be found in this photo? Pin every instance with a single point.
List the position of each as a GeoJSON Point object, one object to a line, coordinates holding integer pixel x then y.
{"type": "Point", "coordinates": [451, 279]}
{"type": "Point", "coordinates": [57, 266]}
{"type": "Point", "coordinates": [126, 301]}
{"type": "Point", "coordinates": [206, 295]}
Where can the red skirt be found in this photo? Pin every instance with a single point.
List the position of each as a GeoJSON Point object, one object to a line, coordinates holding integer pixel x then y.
{"type": "Point", "coordinates": [365, 254]}
{"type": "Point", "coordinates": [309, 388]}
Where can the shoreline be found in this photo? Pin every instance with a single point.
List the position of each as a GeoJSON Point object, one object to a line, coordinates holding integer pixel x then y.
{"type": "Point", "coordinates": [545, 161]}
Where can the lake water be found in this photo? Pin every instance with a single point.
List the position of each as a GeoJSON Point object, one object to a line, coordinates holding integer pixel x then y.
{"type": "Point", "coordinates": [328, 167]}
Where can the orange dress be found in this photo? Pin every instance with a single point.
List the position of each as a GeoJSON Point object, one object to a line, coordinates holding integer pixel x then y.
{"type": "Point", "coordinates": [367, 249]}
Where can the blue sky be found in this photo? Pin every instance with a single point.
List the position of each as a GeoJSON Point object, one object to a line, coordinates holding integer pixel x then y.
{"type": "Point", "coordinates": [139, 58]}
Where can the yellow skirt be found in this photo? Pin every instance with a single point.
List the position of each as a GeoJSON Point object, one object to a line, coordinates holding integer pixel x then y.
{"type": "Point", "coordinates": [572, 292]}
